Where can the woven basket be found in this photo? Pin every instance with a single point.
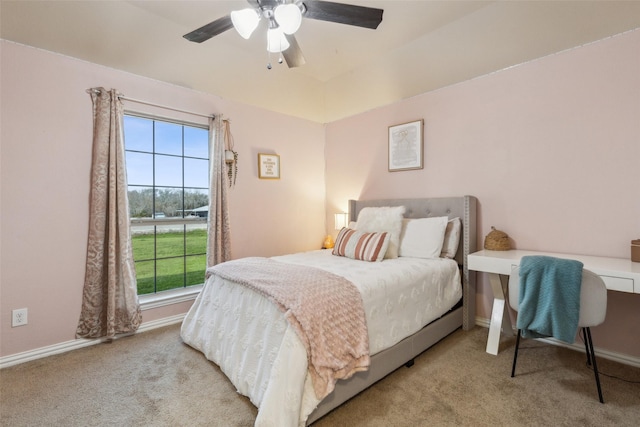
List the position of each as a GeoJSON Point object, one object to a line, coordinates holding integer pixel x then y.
{"type": "Point", "coordinates": [497, 240]}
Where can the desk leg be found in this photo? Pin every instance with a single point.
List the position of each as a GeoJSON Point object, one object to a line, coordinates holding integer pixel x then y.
{"type": "Point", "coordinates": [499, 315]}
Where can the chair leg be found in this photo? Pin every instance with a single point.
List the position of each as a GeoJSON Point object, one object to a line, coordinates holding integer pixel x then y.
{"type": "Point", "coordinates": [586, 346]}
{"type": "Point", "coordinates": [515, 355]}
{"type": "Point", "coordinates": [592, 353]}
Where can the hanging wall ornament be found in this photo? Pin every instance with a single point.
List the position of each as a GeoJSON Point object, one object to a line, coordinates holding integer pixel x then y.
{"type": "Point", "coordinates": [230, 155]}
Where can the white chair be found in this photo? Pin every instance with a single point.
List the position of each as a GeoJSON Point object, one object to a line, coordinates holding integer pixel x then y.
{"type": "Point", "coordinates": [593, 308]}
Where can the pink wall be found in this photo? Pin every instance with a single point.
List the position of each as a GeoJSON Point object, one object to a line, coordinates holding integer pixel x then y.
{"type": "Point", "coordinates": [45, 162]}
{"type": "Point", "coordinates": [550, 148]}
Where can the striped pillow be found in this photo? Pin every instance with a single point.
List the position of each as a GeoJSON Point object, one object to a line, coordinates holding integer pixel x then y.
{"type": "Point", "coordinates": [361, 245]}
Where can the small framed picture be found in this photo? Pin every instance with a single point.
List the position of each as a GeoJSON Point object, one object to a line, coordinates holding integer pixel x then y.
{"type": "Point", "coordinates": [268, 166]}
{"type": "Point", "coordinates": [406, 146]}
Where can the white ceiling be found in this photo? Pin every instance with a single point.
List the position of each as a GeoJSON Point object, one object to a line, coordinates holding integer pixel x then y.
{"type": "Point", "coordinates": [418, 47]}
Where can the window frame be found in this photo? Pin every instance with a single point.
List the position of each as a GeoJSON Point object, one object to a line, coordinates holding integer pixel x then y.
{"type": "Point", "coordinates": [158, 298]}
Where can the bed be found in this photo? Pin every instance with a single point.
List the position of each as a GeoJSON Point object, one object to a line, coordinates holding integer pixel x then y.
{"type": "Point", "coordinates": [247, 335]}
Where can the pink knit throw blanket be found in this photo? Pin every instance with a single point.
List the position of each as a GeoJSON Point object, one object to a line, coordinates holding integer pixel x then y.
{"type": "Point", "coordinates": [325, 310]}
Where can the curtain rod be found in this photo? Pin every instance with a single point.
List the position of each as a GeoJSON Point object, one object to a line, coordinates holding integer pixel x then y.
{"type": "Point", "coordinates": [138, 101]}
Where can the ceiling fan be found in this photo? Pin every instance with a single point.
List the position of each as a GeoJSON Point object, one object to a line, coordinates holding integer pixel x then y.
{"type": "Point", "coordinates": [284, 18]}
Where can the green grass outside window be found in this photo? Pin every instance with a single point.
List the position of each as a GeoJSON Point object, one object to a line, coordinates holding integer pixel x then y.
{"type": "Point", "coordinates": [174, 251]}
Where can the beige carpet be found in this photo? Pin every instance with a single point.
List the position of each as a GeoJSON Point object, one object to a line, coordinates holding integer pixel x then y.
{"type": "Point", "coordinates": [153, 379]}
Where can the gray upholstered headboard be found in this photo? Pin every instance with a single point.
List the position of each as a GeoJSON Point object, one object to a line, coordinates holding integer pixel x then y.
{"type": "Point", "coordinates": [463, 207]}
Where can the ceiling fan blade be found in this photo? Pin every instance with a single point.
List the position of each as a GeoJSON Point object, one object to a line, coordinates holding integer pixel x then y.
{"type": "Point", "coordinates": [293, 54]}
{"type": "Point", "coordinates": [257, 3]}
{"type": "Point", "coordinates": [349, 14]}
{"type": "Point", "coordinates": [214, 28]}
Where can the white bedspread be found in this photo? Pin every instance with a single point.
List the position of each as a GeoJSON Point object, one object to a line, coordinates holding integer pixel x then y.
{"type": "Point", "coordinates": [248, 337]}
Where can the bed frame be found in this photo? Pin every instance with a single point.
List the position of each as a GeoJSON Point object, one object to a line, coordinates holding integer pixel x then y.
{"type": "Point", "coordinates": [405, 351]}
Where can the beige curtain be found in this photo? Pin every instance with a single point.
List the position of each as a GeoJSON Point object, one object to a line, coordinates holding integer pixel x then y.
{"type": "Point", "coordinates": [110, 301]}
{"type": "Point", "coordinates": [219, 238]}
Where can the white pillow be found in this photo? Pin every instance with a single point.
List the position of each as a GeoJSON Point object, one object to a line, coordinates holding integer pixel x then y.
{"type": "Point", "coordinates": [423, 237]}
{"type": "Point", "coordinates": [381, 219]}
{"type": "Point", "coordinates": [451, 238]}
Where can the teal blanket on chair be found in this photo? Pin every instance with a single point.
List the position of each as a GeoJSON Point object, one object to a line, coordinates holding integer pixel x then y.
{"type": "Point", "coordinates": [549, 297]}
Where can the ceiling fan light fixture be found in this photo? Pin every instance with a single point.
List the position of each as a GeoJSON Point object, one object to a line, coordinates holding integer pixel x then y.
{"type": "Point", "coordinates": [289, 17]}
{"type": "Point", "coordinates": [283, 19]}
{"type": "Point", "coordinates": [276, 40]}
{"type": "Point", "coordinates": [245, 21]}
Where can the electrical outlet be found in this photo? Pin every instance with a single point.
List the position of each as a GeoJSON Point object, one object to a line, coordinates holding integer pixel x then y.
{"type": "Point", "coordinates": [19, 317]}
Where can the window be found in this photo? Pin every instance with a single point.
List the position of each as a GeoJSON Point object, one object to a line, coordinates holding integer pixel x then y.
{"type": "Point", "coordinates": [168, 177]}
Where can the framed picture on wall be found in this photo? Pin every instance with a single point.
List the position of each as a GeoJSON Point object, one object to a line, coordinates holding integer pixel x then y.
{"type": "Point", "coordinates": [268, 166]}
{"type": "Point", "coordinates": [406, 146]}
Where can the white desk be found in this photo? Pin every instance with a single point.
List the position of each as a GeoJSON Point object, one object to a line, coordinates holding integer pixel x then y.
{"type": "Point", "coordinates": [618, 274]}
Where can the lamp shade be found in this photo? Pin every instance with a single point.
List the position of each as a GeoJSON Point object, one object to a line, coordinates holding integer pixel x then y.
{"type": "Point", "coordinates": [276, 40]}
{"type": "Point", "coordinates": [340, 220]}
{"type": "Point", "coordinates": [288, 17]}
{"type": "Point", "coordinates": [245, 21]}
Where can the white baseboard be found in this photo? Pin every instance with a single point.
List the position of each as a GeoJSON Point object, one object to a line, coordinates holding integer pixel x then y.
{"type": "Point", "coordinates": [39, 353]}
{"type": "Point", "coordinates": [606, 354]}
